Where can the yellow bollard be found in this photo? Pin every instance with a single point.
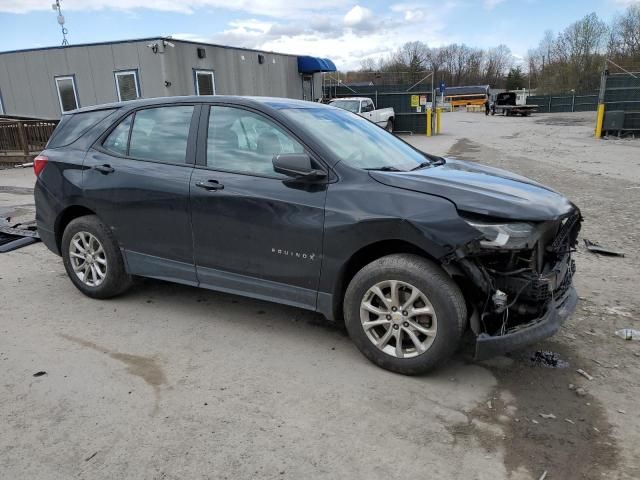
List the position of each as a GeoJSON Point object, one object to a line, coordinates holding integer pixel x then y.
{"type": "Point", "coordinates": [600, 120]}
{"type": "Point", "coordinates": [438, 120]}
{"type": "Point", "coordinates": [428, 122]}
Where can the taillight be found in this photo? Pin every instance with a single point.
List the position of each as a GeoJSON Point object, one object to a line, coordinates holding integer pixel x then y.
{"type": "Point", "coordinates": [39, 163]}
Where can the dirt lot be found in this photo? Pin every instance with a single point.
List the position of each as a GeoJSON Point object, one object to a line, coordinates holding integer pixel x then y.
{"type": "Point", "coordinates": [175, 382]}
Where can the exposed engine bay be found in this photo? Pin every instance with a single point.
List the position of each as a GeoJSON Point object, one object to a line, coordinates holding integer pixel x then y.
{"type": "Point", "coordinates": [518, 271]}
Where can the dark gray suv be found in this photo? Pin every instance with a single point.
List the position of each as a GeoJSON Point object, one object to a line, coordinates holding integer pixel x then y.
{"type": "Point", "coordinates": [311, 206]}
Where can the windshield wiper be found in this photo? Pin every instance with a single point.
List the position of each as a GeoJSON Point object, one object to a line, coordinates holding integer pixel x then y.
{"type": "Point", "coordinates": [429, 163]}
{"type": "Point", "coordinates": [386, 168]}
{"type": "Point", "coordinates": [422, 165]}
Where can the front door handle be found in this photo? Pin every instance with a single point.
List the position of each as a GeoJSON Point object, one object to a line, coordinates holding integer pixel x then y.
{"type": "Point", "coordinates": [104, 169]}
{"type": "Point", "coordinates": [210, 185]}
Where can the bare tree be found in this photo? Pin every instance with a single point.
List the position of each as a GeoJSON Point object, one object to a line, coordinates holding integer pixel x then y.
{"type": "Point", "coordinates": [570, 60]}
{"type": "Point", "coordinates": [624, 39]}
{"type": "Point", "coordinates": [497, 63]}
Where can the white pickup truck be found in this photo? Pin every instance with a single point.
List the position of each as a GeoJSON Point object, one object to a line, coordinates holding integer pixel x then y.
{"type": "Point", "coordinates": [364, 107]}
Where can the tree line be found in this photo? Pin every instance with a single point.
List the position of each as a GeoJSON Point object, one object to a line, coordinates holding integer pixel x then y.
{"type": "Point", "coordinates": [570, 61]}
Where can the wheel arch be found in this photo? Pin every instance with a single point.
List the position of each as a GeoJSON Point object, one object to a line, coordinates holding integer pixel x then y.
{"type": "Point", "coordinates": [364, 256]}
{"type": "Point", "coordinates": [65, 217]}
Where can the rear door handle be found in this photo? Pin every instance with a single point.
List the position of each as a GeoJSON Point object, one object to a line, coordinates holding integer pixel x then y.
{"type": "Point", "coordinates": [104, 168]}
{"type": "Point", "coordinates": [210, 185]}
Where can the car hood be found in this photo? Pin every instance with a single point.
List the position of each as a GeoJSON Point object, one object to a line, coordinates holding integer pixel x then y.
{"type": "Point", "coordinates": [482, 190]}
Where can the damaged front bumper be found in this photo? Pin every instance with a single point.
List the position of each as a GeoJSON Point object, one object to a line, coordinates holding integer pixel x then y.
{"type": "Point", "coordinates": [538, 329]}
{"type": "Point", "coordinates": [523, 294]}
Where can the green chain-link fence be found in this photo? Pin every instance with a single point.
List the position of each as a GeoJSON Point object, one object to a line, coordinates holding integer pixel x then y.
{"type": "Point", "coordinates": [564, 103]}
{"type": "Point", "coordinates": [621, 96]}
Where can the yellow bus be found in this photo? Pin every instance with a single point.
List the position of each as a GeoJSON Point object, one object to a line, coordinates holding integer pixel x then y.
{"type": "Point", "coordinates": [467, 95]}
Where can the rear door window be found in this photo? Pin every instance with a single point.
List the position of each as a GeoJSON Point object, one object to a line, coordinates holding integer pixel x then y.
{"type": "Point", "coordinates": [161, 134]}
{"type": "Point", "coordinates": [72, 127]}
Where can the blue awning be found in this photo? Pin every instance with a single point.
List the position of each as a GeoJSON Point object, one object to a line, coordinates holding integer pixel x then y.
{"type": "Point", "coordinates": [308, 64]}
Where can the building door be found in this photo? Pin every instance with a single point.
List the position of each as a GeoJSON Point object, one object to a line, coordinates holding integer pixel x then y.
{"type": "Point", "coordinates": [255, 232]}
{"type": "Point", "coordinates": [307, 88]}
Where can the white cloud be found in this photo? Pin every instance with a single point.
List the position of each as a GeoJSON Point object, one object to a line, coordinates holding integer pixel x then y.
{"type": "Point", "coordinates": [347, 39]}
{"type": "Point", "coordinates": [269, 8]}
{"type": "Point", "coordinates": [357, 15]}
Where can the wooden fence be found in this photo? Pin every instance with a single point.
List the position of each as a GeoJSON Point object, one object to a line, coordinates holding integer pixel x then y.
{"type": "Point", "coordinates": [23, 139]}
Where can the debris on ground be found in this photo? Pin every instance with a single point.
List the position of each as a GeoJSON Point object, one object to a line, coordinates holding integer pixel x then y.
{"type": "Point", "coordinates": [622, 412]}
{"type": "Point", "coordinates": [548, 359]}
{"type": "Point", "coordinates": [621, 311]}
{"type": "Point", "coordinates": [16, 236]}
{"type": "Point", "coordinates": [40, 373]}
{"type": "Point", "coordinates": [24, 165]}
{"type": "Point", "coordinates": [543, 476]}
{"type": "Point", "coordinates": [584, 374]}
{"type": "Point", "coordinates": [596, 248]}
{"type": "Point", "coordinates": [581, 392]}
{"type": "Point", "coordinates": [535, 421]}
{"type": "Point", "coordinates": [90, 456]}
{"type": "Point", "coordinates": [548, 416]}
{"type": "Point", "coordinates": [568, 420]}
{"type": "Point", "coordinates": [628, 334]}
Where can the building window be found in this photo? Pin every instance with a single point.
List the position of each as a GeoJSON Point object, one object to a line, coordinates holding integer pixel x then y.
{"type": "Point", "coordinates": [67, 94]}
{"type": "Point", "coordinates": [127, 85]}
{"type": "Point", "coordinates": [205, 84]}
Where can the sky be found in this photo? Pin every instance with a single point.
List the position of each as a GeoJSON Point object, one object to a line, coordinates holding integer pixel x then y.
{"type": "Point", "coordinates": [345, 31]}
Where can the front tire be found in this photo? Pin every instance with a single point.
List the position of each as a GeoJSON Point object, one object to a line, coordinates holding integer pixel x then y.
{"type": "Point", "coordinates": [92, 258]}
{"type": "Point", "coordinates": [404, 313]}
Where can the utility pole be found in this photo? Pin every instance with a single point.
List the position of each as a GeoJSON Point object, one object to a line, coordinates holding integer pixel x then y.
{"type": "Point", "coordinates": [56, 7]}
{"type": "Point", "coordinates": [433, 101]}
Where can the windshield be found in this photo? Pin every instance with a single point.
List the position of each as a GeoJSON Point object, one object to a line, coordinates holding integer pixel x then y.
{"type": "Point", "coordinates": [348, 105]}
{"type": "Point", "coordinates": [355, 141]}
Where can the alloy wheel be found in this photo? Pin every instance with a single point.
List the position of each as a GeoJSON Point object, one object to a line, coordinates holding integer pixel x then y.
{"type": "Point", "coordinates": [88, 259]}
{"type": "Point", "coordinates": [398, 319]}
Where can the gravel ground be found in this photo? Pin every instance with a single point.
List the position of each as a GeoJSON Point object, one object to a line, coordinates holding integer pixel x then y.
{"type": "Point", "coordinates": [174, 382]}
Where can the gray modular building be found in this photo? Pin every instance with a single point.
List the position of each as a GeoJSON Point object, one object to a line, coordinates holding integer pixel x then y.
{"type": "Point", "coordinates": [45, 82]}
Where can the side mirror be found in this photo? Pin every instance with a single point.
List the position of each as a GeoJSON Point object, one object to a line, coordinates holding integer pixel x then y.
{"type": "Point", "coordinates": [296, 165]}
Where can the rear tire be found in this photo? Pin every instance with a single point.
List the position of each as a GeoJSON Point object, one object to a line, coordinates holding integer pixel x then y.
{"type": "Point", "coordinates": [92, 258]}
{"type": "Point", "coordinates": [426, 339]}
{"type": "Point", "coordinates": [389, 126]}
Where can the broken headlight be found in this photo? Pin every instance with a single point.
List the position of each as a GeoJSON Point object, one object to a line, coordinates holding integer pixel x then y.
{"type": "Point", "coordinates": [514, 235]}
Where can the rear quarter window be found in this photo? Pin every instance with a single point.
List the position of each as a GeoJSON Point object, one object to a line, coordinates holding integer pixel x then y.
{"type": "Point", "coordinates": [73, 126]}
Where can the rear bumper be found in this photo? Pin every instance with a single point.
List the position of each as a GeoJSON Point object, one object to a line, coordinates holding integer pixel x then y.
{"type": "Point", "coordinates": [489, 346]}
{"type": "Point", "coordinates": [47, 208]}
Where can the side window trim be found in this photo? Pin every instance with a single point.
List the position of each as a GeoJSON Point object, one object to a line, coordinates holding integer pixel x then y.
{"type": "Point", "coordinates": [133, 119]}
{"type": "Point", "coordinates": [192, 139]}
{"type": "Point", "coordinates": [136, 78]}
{"type": "Point", "coordinates": [71, 77]}
{"type": "Point", "coordinates": [2, 111]}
